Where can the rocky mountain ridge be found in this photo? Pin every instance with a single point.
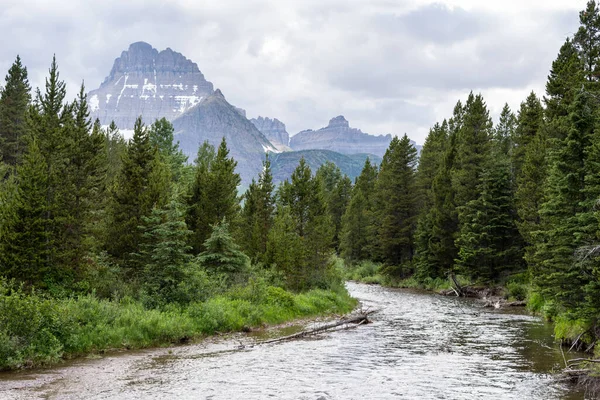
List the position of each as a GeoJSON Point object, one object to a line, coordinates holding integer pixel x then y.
{"type": "Point", "coordinates": [274, 130]}
{"type": "Point", "coordinates": [338, 136]}
{"type": "Point", "coordinates": [144, 81]}
{"type": "Point", "coordinates": [214, 118]}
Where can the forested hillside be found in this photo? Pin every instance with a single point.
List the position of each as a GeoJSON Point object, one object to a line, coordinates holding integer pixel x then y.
{"type": "Point", "coordinates": [106, 243]}
{"type": "Point", "coordinates": [514, 204]}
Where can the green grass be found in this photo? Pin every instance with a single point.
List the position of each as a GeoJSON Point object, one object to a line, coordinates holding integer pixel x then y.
{"type": "Point", "coordinates": [36, 330]}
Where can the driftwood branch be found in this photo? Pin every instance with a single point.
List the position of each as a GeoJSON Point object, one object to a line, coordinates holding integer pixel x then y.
{"type": "Point", "coordinates": [346, 323]}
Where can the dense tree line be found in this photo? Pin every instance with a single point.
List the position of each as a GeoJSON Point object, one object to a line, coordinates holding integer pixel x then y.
{"type": "Point", "coordinates": [493, 203]}
{"type": "Point", "coordinates": [82, 209]}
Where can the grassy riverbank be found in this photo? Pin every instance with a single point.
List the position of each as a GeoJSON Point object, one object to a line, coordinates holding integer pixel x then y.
{"type": "Point", "coordinates": [36, 330]}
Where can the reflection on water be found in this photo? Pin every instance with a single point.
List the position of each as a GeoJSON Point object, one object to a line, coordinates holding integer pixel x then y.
{"type": "Point", "coordinates": [419, 346]}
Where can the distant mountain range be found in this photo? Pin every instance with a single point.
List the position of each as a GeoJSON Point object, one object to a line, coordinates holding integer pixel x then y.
{"type": "Point", "coordinates": [153, 84]}
{"type": "Point", "coordinates": [339, 137]}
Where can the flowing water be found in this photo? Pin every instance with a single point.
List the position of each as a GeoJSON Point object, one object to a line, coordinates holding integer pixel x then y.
{"type": "Point", "coordinates": [419, 346]}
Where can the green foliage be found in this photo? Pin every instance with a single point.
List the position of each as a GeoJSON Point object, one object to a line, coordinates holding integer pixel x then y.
{"type": "Point", "coordinates": [222, 254]}
{"type": "Point", "coordinates": [213, 194]}
{"type": "Point", "coordinates": [26, 242]}
{"type": "Point", "coordinates": [396, 203]}
{"type": "Point", "coordinates": [14, 104]}
{"type": "Point", "coordinates": [257, 214]}
{"type": "Point", "coordinates": [140, 187]}
{"type": "Point", "coordinates": [161, 137]}
{"type": "Point", "coordinates": [357, 239]}
{"type": "Point", "coordinates": [37, 331]}
{"type": "Point", "coordinates": [301, 241]}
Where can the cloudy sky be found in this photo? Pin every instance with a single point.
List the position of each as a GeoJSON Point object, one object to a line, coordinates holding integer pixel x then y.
{"type": "Point", "coordinates": [389, 66]}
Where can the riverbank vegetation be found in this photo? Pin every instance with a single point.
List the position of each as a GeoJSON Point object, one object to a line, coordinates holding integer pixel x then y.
{"type": "Point", "coordinates": [107, 243]}
{"type": "Point", "coordinates": [513, 204]}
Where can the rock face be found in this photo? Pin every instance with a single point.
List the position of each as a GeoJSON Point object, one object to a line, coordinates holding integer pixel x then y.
{"type": "Point", "coordinates": [146, 82]}
{"type": "Point", "coordinates": [274, 130]}
{"type": "Point", "coordinates": [339, 137]}
{"type": "Point", "coordinates": [214, 118]}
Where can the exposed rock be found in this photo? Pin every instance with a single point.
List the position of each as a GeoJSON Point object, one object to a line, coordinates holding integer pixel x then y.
{"type": "Point", "coordinates": [214, 118]}
{"type": "Point", "coordinates": [146, 82]}
{"type": "Point", "coordinates": [340, 137]}
{"type": "Point", "coordinates": [274, 130]}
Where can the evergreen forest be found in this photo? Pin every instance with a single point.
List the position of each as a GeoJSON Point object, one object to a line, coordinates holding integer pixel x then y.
{"type": "Point", "coordinates": [107, 243]}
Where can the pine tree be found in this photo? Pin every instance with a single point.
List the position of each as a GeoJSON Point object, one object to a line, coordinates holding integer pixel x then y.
{"type": "Point", "coordinates": [115, 148]}
{"type": "Point", "coordinates": [587, 42]}
{"type": "Point", "coordinates": [26, 242]}
{"type": "Point", "coordinates": [303, 200]}
{"type": "Point", "coordinates": [336, 189]}
{"type": "Point", "coordinates": [396, 203]}
{"type": "Point", "coordinates": [161, 136]}
{"type": "Point", "coordinates": [472, 151]}
{"type": "Point", "coordinates": [82, 183]}
{"type": "Point", "coordinates": [222, 254]}
{"type": "Point", "coordinates": [198, 218]}
{"type": "Point", "coordinates": [530, 121]}
{"type": "Point", "coordinates": [357, 237]}
{"type": "Point", "coordinates": [556, 274]}
{"type": "Point", "coordinates": [133, 197]}
{"type": "Point", "coordinates": [257, 214]}
{"type": "Point", "coordinates": [213, 195]}
{"type": "Point", "coordinates": [430, 161]}
{"type": "Point", "coordinates": [164, 253]}
{"type": "Point", "coordinates": [489, 243]}
{"type": "Point", "coordinates": [503, 136]}
{"type": "Point", "coordinates": [14, 105]}
{"type": "Point", "coordinates": [436, 259]}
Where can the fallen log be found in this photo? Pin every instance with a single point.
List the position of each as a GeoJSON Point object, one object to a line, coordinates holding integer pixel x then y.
{"type": "Point", "coordinates": [349, 322]}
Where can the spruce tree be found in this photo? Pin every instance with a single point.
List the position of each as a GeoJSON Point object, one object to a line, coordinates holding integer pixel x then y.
{"type": "Point", "coordinates": [222, 254]}
{"type": "Point", "coordinates": [257, 214]}
{"type": "Point", "coordinates": [436, 259]}
{"type": "Point", "coordinates": [14, 105]}
{"type": "Point", "coordinates": [555, 272]}
{"type": "Point", "coordinates": [133, 197]}
{"type": "Point", "coordinates": [357, 238]}
{"type": "Point", "coordinates": [213, 195]}
{"type": "Point", "coordinates": [503, 136]}
{"type": "Point", "coordinates": [26, 241]}
{"type": "Point", "coordinates": [489, 243]}
{"type": "Point", "coordinates": [164, 253]}
{"type": "Point", "coordinates": [396, 204]}
{"type": "Point", "coordinates": [161, 136]}
{"type": "Point", "coordinates": [530, 121]}
{"type": "Point", "coordinates": [303, 199]}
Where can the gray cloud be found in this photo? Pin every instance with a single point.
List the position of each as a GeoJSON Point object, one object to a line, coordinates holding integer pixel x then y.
{"type": "Point", "coordinates": [387, 65]}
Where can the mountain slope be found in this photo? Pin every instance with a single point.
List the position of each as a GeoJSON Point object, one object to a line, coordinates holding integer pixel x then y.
{"type": "Point", "coordinates": [274, 130]}
{"type": "Point", "coordinates": [214, 118]}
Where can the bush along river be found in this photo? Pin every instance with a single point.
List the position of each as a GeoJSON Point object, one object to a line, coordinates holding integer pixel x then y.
{"type": "Point", "coordinates": [418, 346]}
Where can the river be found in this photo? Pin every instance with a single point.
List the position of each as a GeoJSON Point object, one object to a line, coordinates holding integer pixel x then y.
{"type": "Point", "coordinates": [419, 346]}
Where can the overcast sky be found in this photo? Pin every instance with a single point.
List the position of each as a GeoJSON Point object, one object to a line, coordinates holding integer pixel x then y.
{"type": "Point", "coordinates": [388, 66]}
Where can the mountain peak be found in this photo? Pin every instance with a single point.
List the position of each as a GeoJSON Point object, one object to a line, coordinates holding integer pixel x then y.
{"type": "Point", "coordinates": [339, 121]}
{"type": "Point", "coordinates": [144, 81]}
{"type": "Point", "coordinates": [339, 137]}
{"type": "Point", "coordinates": [218, 93]}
